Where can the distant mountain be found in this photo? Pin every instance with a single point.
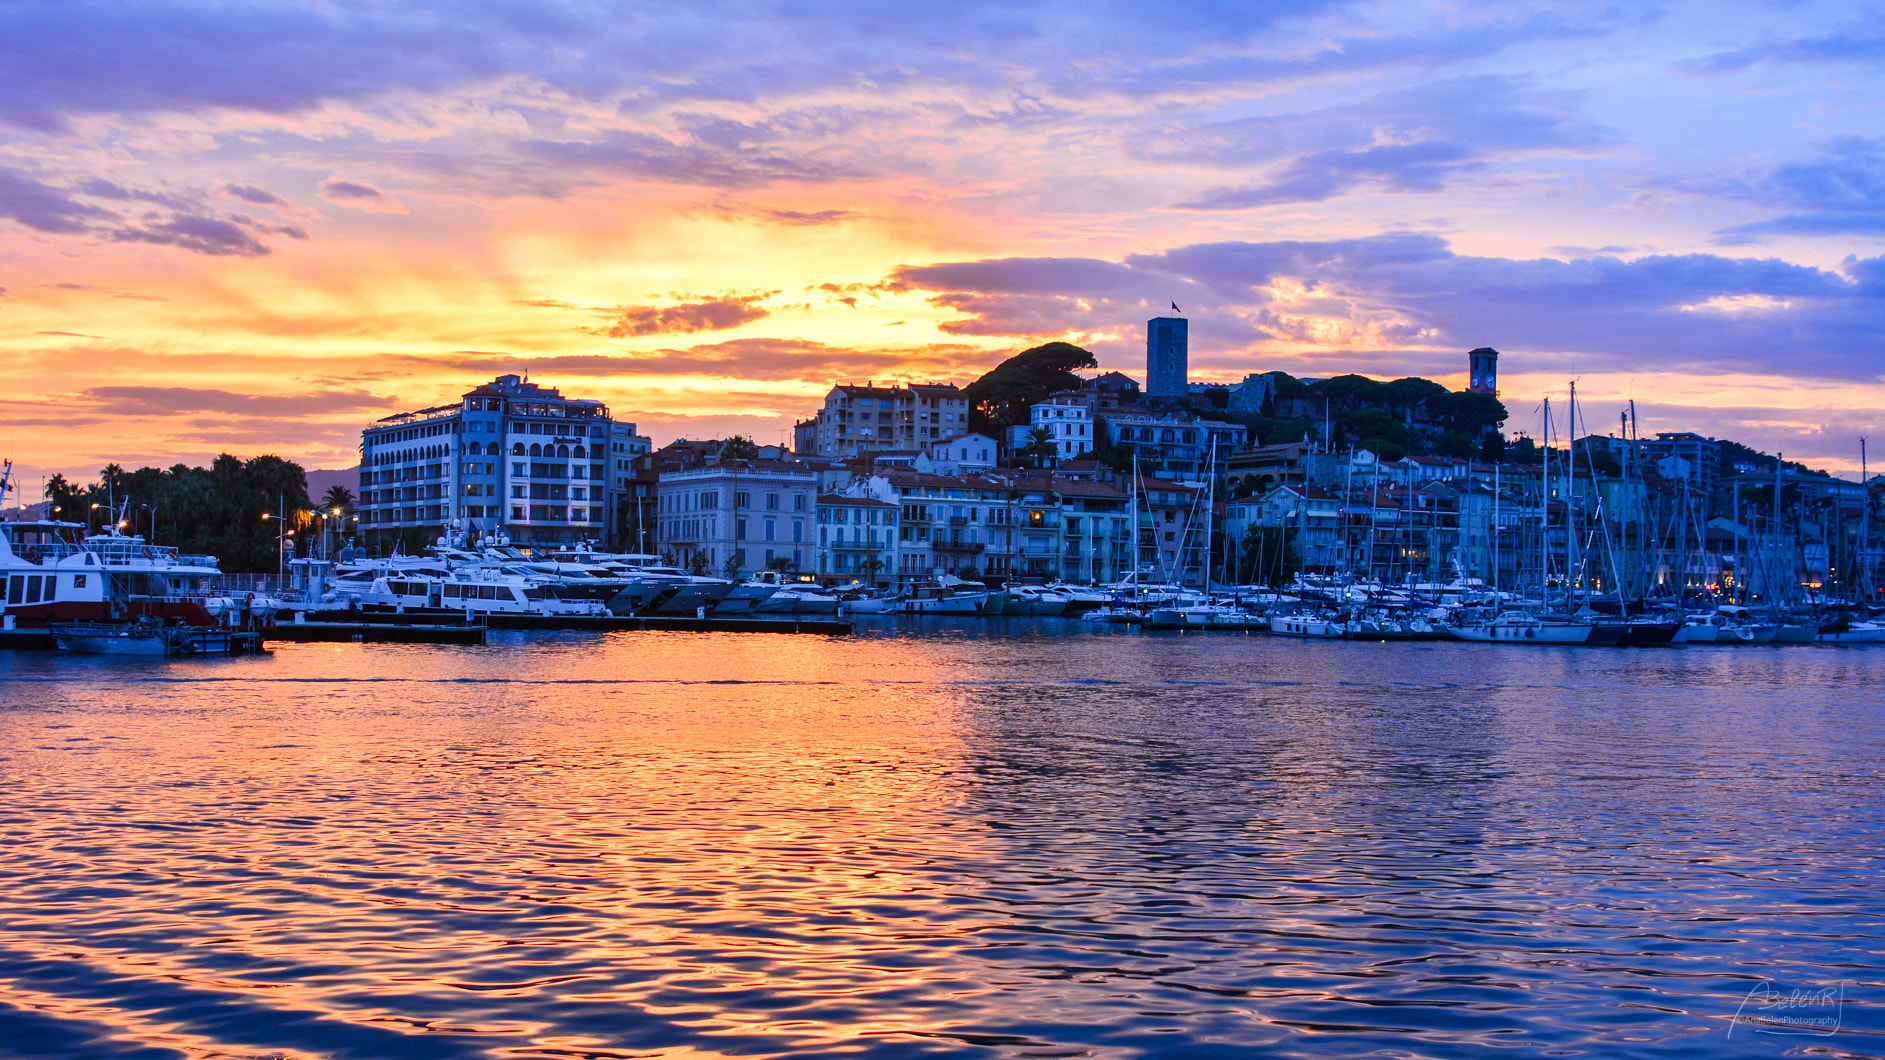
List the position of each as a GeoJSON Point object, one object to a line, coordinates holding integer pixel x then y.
{"type": "Point", "coordinates": [319, 482]}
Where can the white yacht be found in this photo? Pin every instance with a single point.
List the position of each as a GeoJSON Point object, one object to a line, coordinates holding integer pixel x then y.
{"type": "Point", "coordinates": [1523, 627]}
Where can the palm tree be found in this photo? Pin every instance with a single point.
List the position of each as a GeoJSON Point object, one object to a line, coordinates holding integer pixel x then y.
{"type": "Point", "coordinates": [337, 496]}
{"type": "Point", "coordinates": [781, 564]}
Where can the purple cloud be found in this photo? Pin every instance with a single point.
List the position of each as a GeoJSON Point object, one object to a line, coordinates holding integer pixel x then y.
{"type": "Point", "coordinates": [1698, 312]}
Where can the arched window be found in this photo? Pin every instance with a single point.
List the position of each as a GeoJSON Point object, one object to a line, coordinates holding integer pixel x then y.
{"type": "Point", "coordinates": [476, 449]}
{"type": "Point", "coordinates": [562, 451]}
{"type": "Point", "coordinates": [580, 453]}
{"type": "Point", "coordinates": [535, 449]}
{"type": "Point", "coordinates": [518, 449]}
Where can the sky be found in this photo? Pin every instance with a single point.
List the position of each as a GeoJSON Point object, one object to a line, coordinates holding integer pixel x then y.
{"type": "Point", "coordinates": [228, 227]}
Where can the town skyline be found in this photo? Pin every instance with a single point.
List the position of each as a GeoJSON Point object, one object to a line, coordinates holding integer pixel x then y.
{"type": "Point", "coordinates": [262, 230]}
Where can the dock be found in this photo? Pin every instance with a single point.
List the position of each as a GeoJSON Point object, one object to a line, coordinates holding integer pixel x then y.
{"type": "Point", "coordinates": [375, 633]}
{"type": "Point", "coordinates": [674, 623]}
{"type": "Point", "coordinates": [415, 629]}
{"type": "Point", "coordinates": [27, 640]}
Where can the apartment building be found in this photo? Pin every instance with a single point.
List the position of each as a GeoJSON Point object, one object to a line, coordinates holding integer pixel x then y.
{"type": "Point", "coordinates": [738, 516]}
{"type": "Point", "coordinates": [509, 457]}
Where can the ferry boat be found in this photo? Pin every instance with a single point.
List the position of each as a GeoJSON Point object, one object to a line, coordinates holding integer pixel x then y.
{"type": "Point", "coordinates": [54, 572]}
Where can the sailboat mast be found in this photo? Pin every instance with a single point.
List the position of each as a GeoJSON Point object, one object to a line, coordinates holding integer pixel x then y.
{"type": "Point", "coordinates": [1544, 511]}
{"type": "Point", "coordinates": [1570, 501]}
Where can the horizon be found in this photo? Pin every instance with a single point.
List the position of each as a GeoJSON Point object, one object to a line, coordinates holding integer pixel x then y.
{"type": "Point", "coordinates": [259, 229]}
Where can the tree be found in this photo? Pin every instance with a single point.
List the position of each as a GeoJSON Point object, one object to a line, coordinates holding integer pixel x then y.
{"type": "Point", "coordinates": [337, 498]}
{"type": "Point", "coordinates": [1002, 396]}
{"type": "Point", "coordinates": [739, 447]}
{"type": "Point", "coordinates": [871, 566]}
{"type": "Point", "coordinates": [1269, 555]}
{"type": "Point", "coordinates": [1040, 450]}
{"type": "Point", "coordinates": [782, 564]}
{"type": "Point", "coordinates": [734, 563]}
{"type": "Point", "coordinates": [697, 564]}
{"type": "Point", "coordinates": [1492, 448]}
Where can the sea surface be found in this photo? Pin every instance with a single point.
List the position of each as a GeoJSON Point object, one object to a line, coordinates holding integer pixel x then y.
{"type": "Point", "coordinates": [1029, 839]}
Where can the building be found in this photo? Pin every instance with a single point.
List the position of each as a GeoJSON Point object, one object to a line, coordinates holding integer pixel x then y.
{"type": "Point", "coordinates": [963, 454]}
{"type": "Point", "coordinates": [1702, 454]}
{"type": "Point", "coordinates": [870, 418]}
{"type": "Point", "coordinates": [857, 534]}
{"type": "Point", "coordinates": [1068, 421]}
{"type": "Point", "coordinates": [1483, 371]}
{"type": "Point", "coordinates": [1167, 375]}
{"type": "Point", "coordinates": [631, 491]}
{"type": "Point", "coordinates": [1172, 444]}
{"type": "Point", "coordinates": [737, 516]}
{"type": "Point", "coordinates": [1250, 396]}
{"type": "Point", "coordinates": [509, 458]}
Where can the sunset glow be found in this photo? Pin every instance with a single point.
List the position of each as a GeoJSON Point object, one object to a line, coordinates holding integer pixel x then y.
{"type": "Point", "coordinates": [255, 229]}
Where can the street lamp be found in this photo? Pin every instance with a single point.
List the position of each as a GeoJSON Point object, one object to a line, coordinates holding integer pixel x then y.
{"type": "Point", "coordinates": [88, 517]}
{"type": "Point", "coordinates": [281, 545]}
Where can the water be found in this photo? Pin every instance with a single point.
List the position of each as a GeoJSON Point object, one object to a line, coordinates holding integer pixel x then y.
{"type": "Point", "coordinates": [1042, 840]}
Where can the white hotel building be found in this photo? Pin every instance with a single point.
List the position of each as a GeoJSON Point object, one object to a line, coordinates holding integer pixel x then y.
{"type": "Point", "coordinates": [510, 457]}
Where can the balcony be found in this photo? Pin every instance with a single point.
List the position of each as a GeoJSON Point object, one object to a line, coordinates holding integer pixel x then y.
{"type": "Point", "coordinates": [957, 546]}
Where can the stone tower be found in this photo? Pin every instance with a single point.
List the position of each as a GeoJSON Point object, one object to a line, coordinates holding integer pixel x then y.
{"type": "Point", "coordinates": [1166, 374]}
{"type": "Point", "coordinates": [1483, 371]}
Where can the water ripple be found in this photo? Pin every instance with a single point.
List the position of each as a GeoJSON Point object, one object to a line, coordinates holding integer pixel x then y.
{"type": "Point", "coordinates": [1000, 845]}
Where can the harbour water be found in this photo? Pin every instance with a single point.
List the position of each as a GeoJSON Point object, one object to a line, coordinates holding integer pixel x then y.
{"type": "Point", "coordinates": [1042, 838]}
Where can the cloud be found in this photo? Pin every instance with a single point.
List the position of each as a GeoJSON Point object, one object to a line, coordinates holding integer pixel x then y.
{"type": "Point", "coordinates": [770, 359]}
{"type": "Point", "coordinates": [708, 314]}
{"type": "Point", "coordinates": [204, 235]}
{"type": "Point", "coordinates": [1863, 43]}
{"type": "Point", "coordinates": [1840, 192]}
{"type": "Point", "coordinates": [172, 401]}
{"type": "Point", "coordinates": [360, 196]}
{"type": "Point", "coordinates": [795, 218]}
{"type": "Point", "coordinates": [41, 206]}
{"type": "Point", "coordinates": [1410, 140]}
{"type": "Point", "coordinates": [726, 161]}
{"type": "Point", "coordinates": [251, 193]}
{"type": "Point", "coordinates": [1698, 313]}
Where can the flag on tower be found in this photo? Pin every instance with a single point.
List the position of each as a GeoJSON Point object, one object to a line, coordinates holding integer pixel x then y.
{"type": "Point", "coordinates": [1175, 308]}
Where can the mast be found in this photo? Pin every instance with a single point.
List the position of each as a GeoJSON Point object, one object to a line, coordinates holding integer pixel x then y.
{"type": "Point", "coordinates": [1570, 502]}
{"type": "Point", "coordinates": [1495, 532]}
{"type": "Point", "coordinates": [1210, 509]}
{"type": "Point", "coordinates": [1544, 510]}
{"type": "Point", "coordinates": [1865, 522]}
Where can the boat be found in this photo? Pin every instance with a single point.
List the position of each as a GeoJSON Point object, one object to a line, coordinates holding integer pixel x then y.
{"type": "Point", "coordinates": [1697, 629]}
{"type": "Point", "coordinates": [857, 598]}
{"type": "Point", "coordinates": [1313, 624]}
{"type": "Point", "coordinates": [53, 572]}
{"type": "Point", "coordinates": [1844, 629]}
{"type": "Point", "coordinates": [1224, 617]}
{"type": "Point", "coordinates": [943, 598]}
{"type": "Point", "coordinates": [795, 598]}
{"type": "Point", "coordinates": [145, 636]}
{"type": "Point", "coordinates": [1035, 600]}
{"type": "Point", "coordinates": [1522, 627]}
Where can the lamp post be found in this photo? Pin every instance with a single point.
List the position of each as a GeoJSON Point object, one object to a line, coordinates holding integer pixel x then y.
{"type": "Point", "coordinates": [281, 545]}
{"type": "Point", "coordinates": [88, 517]}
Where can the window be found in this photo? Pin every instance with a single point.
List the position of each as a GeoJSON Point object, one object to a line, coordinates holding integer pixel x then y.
{"type": "Point", "coordinates": [798, 502]}
{"type": "Point", "coordinates": [739, 529]}
{"type": "Point", "coordinates": [772, 502]}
